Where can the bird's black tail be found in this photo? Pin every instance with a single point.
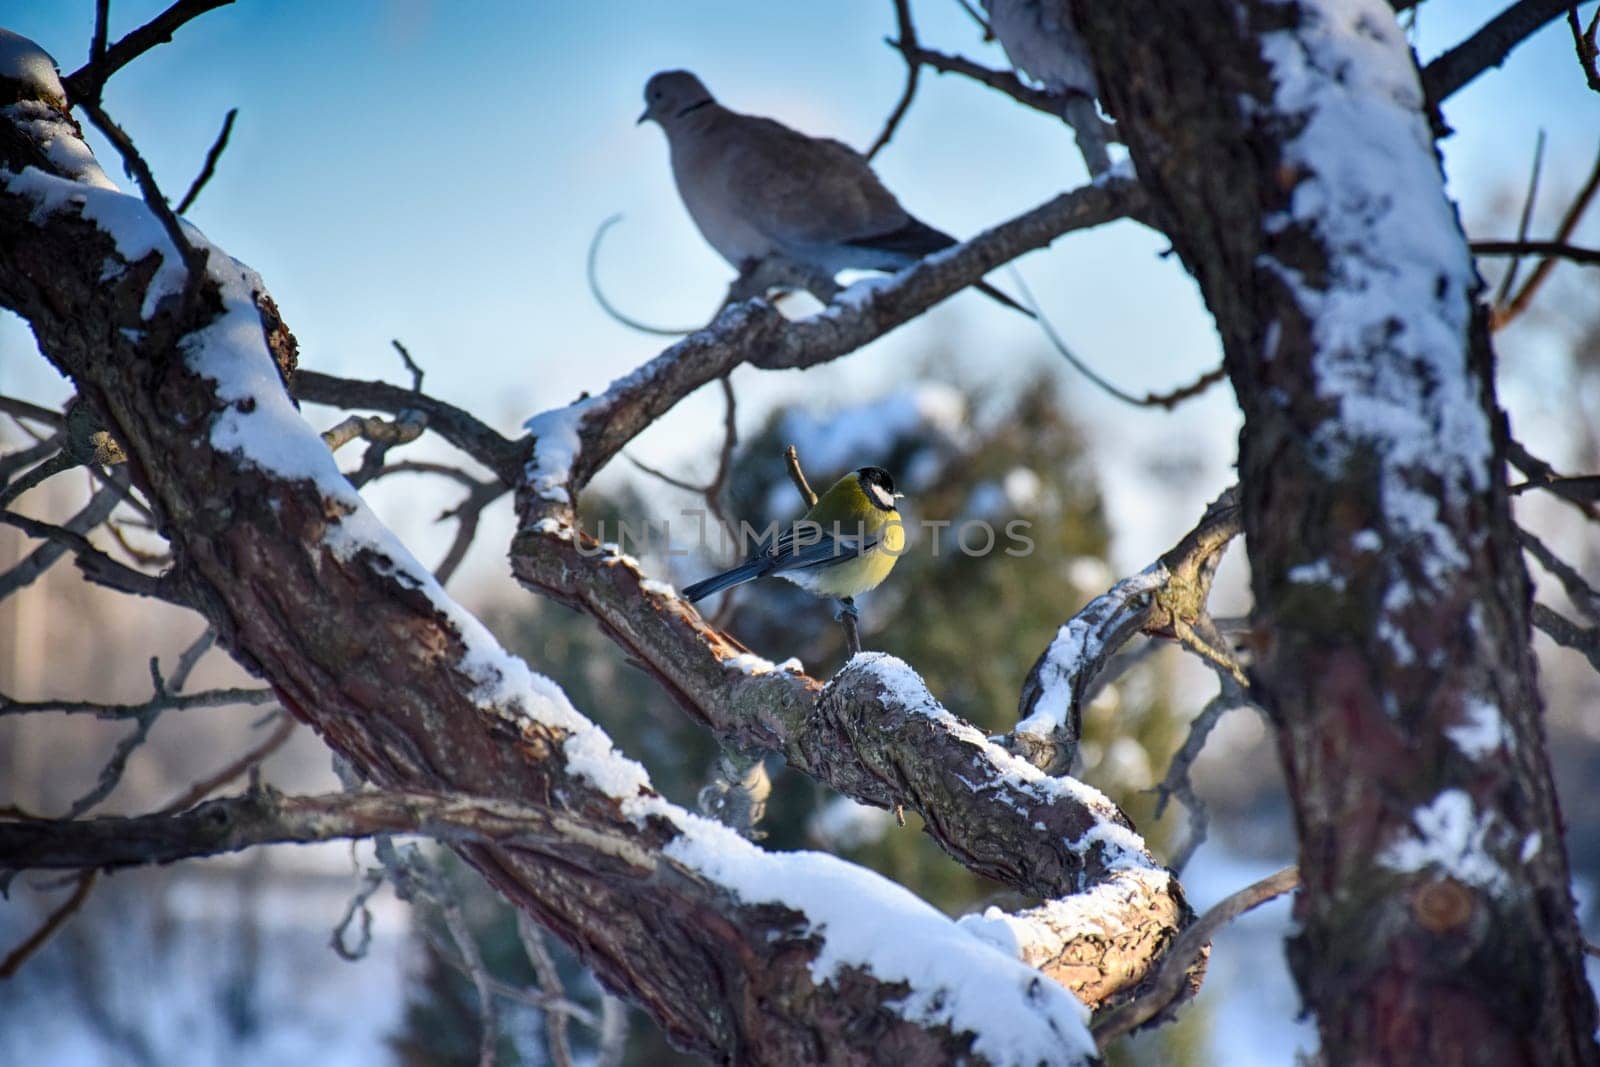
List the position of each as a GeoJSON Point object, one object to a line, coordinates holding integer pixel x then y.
{"type": "Point", "coordinates": [745, 572]}
{"type": "Point", "coordinates": [918, 239]}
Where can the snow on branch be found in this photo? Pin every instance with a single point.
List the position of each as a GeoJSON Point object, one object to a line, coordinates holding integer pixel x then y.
{"type": "Point", "coordinates": [307, 587]}
{"type": "Point", "coordinates": [573, 443]}
{"type": "Point", "coordinates": [1167, 598]}
{"type": "Point", "coordinates": [874, 733]}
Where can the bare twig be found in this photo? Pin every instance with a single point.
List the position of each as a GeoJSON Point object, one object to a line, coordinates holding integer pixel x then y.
{"type": "Point", "coordinates": [210, 167]}
{"type": "Point", "coordinates": [613, 1031]}
{"type": "Point", "coordinates": [85, 83]}
{"type": "Point", "coordinates": [908, 47]}
{"type": "Point", "coordinates": [26, 457]}
{"type": "Point", "coordinates": [1543, 476]}
{"type": "Point", "coordinates": [467, 515]}
{"type": "Point", "coordinates": [97, 43]}
{"type": "Point", "coordinates": [977, 16]}
{"type": "Point", "coordinates": [194, 260]}
{"type": "Point", "coordinates": [1168, 400]}
{"type": "Point", "coordinates": [371, 882]}
{"type": "Point", "coordinates": [411, 365]}
{"type": "Point", "coordinates": [1176, 784]}
{"type": "Point", "coordinates": [592, 272]}
{"type": "Point", "coordinates": [1584, 41]}
{"type": "Point", "coordinates": [501, 455]}
{"type": "Point", "coordinates": [1569, 222]}
{"type": "Point", "coordinates": [406, 427]}
{"type": "Point", "coordinates": [1549, 249]}
{"type": "Point", "coordinates": [60, 539]}
{"type": "Point", "coordinates": [238, 768]}
{"type": "Point", "coordinates": [791, 459]}
{"type": "Point", "coordinates": [1488, 47]}
{"type": "Point", "coordinates": [1185, 952]}
{"type": "Point", "coordinates": [417, 881]}
{"type": "Point", "coordinates": [544, 965]}
{"type": "Point", "coordinates": [1579, 487]}
{"type": "Point", "coordinates": [167, 701]}
{"type": "Point", "coordinates": [22, 409]}
{"type": "Point", "coordinates": [1503, 291]}
{"type": "Point", "coordinates": [59, 463]}
{"type": "Point", "coordinates": [1583, 596]}
{"type": "Point", "coordinates": [53, 922]}
{"type": "Point", "coordinates": [96, 566]}
{"type": "Point", "coordinates": [1003, 81]}
{"type": "Point", "coordinates": [1563, 631]}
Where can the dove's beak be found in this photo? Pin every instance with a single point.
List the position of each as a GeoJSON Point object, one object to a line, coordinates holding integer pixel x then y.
{"type": "Point", "coordinates": [645, 114]}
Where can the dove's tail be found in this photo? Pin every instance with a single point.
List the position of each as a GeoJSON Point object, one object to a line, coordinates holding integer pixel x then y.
{"type": "Point", "coordinates": [917, 239]}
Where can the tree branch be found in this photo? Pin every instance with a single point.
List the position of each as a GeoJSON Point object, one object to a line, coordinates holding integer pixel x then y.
{"type": "Point", "coordinates": [908, 47]}
{"type": "Point", "coordinates": [1488, 47]}
{"type": "Point", "coordinates": [85, 83]}
{"type": "Point", "coordinates": [757, 334]}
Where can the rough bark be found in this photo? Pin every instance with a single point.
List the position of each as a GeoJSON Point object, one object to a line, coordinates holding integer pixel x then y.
{"type": "Point", "coordinates": [354, 643]}
{"type": "Point", "coordinates": [1436, 918]}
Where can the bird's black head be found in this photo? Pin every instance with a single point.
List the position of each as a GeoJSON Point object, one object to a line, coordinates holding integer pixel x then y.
{"type": "Point", "coordinates": [878, 486]}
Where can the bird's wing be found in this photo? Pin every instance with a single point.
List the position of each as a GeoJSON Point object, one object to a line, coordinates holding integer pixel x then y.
{"type": "Point", "coordinates": [803, 191]}
{"type": "Point", "coordinates": [789, 554]}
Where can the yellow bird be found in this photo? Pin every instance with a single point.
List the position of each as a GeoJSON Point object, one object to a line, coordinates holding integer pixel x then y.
{"type": "Point", "coordinates": [845, 545]}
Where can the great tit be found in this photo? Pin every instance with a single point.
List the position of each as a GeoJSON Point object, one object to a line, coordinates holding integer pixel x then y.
{"type": "Point", "coordinates": [845, 545]}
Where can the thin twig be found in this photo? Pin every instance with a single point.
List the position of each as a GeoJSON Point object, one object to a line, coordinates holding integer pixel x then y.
{"type": "Point", "coordinates": [791, 459]}
{"type": "Point", "coordinates": [592, 273]}
{"type": "Point", "coordinates": [1583, 596]}
{"type": "Point", "coordinates": [1167, 401]}
{"type": "Point", "coordinates": [168, 701]}
{"type": "Point", "coordinates": [239, 767]}
{"type": "Point", "coordinates": [1185, 952]}
{"type": "Point", "coordinates": [41, 559]}
{"type": "Point", "coordinates": [97, 43]}
{"type": "Point", "coordinates": [1543, 476]}
{"type": "Point", "coordinates": [1555, 249]}
{"type": "Point", "coordinates": [86, 82]}
{"type": "Point", "coordinates": [908, 47]}
{"type": "Point", "coordinates": [555, 1023]}
{"type": "Point", "coordinates": [210, 167]}
{"type": "Point", "coordinates": [1563, 631]}
{"type": "Point", "coordinates": [1487, 48]}
{"type": "Point", "coordinates": [1503, 291]}
{"type": "Point", "coordinates": [411, 365]}
{"type": "Point", "coordinates": [53, 922]}
{"type": "Point", "coordinates": [1583, 487]}
{"type": "Point", "coordinates": [1584, 42]}
{"type": "Point", "coordinates": [18, 408]}
{"type": "Point", "coordinates": [1569, 222]}
{"type": "Point", "coordinates": [613, 1031]}
{"type": "Point", "coordinates": [194, 260]}
{"type": "Point", "coordinates": [371, 882]}
{"type": "Point", "coordinates": [1177, 784]}
{"type": "Point", "coordinates": [1003, 81]}
{"type": "Point", "coordinates": [977, 16]}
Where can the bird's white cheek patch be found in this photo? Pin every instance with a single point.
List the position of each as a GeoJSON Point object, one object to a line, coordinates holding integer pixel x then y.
{"type": "Point", "coordinates": [881, 495]}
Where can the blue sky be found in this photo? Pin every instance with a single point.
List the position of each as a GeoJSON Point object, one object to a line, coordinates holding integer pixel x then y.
{"type": "Point", "coordinates": [434, 172]}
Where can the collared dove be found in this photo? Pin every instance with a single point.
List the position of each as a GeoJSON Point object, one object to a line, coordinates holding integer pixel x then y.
{"type": "Point", "coordinates": [1042, 42]}
{"type": "Point", "coordinates": [756, 188]}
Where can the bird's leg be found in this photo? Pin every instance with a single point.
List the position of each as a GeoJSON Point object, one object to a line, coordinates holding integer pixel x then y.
{"type": "Point", "coordinates": [757, 277]}
{"type": "Point", "coordinates": [1079, 112]}
{"type": "Point", "coordinates": [849, 617]}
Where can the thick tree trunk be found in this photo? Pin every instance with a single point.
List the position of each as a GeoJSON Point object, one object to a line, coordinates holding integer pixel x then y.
{"type": "Point", "coordinates": [1287, 155]}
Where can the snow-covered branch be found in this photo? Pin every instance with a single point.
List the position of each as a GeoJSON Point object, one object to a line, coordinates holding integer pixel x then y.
{"type": "Point", "coordinates": [1167, 598]}
{"type": "Point", "coordinates": [571, 444]}
{"type": "Point", "coordinates": [307, 588]}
